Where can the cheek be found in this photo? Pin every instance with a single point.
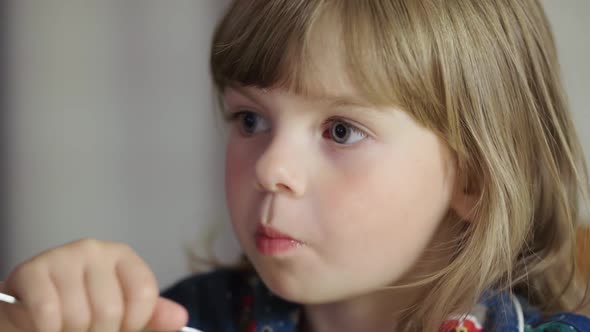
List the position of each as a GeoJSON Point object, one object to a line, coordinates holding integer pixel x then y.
{"type": "Point", "coordinates": [385, 202]}
{"type": "Point", "coordinates": [238, 171]}
{"type": "Point", "coordinates": [233, 165]}
{"type": "Point", "coordinates": [360, 204]}
{"type": "Point", "coordinates": [232, 175]}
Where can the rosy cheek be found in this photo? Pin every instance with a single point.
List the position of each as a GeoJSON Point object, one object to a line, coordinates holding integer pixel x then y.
{"type": "Point", "coordinates": [343, 197]}
{"type": "Point", "coordinates": [231, 168]}
{"type": "Point", "coordinates": [238, 174]}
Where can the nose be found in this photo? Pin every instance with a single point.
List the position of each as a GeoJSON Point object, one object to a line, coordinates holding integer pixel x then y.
{"type": "Point", "coordinates": [280, 168]}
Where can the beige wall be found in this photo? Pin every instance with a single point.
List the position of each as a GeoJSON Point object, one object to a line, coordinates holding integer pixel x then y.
{"type": "Point", "coordinates": [112, 127]}
{"type": "Point", "coordinates": [571, 26]}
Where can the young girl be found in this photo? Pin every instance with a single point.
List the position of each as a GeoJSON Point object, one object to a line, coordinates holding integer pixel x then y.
{"type": "Point", "coordinates": [392, 165]}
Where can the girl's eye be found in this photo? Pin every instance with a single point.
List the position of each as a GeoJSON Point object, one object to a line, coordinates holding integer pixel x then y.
{"type": "Point", "coordinates": [344, 133]}
{"type": "Point", "coordinates": [251, 123]}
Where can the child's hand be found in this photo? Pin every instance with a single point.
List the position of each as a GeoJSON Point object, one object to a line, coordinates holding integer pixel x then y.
{"type": "Point", "coordinates": [87, 285]}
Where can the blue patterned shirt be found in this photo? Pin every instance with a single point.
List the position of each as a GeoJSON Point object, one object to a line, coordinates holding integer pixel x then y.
{"type": "Point", "coordinates": [227, 300]}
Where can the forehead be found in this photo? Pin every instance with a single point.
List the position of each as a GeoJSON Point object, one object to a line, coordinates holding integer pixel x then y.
{"type": "Point", "coordinates": [323, 70]}
{"type": "Point", "coordinates": [318, 70]}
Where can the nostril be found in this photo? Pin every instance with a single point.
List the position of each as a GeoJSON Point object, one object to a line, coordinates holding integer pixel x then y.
{"type": "Point", "coordinates": [265, 187]}
{"type": "Point", "coordinates": [283, 187]}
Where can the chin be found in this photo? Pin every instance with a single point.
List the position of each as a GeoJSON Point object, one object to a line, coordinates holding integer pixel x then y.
{"type": "Point", "coordinates": [296, 290]}
{"type": "Point", "coordinates": [281, 284]}
{"type": "Point", "coordinates": [286, 286]}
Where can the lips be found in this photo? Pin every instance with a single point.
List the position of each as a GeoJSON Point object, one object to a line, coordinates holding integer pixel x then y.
{"type": "Point", "coordinates": [270, 232]}
{"type": "Point", "coordinates": [270, 241]}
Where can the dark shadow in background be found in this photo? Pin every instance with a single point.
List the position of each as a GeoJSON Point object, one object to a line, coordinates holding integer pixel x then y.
{"type": "Point", "coordinates": [5, 27]}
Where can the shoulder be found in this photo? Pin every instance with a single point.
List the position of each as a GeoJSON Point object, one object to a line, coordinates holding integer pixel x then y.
{"type": "Point", "coordinates": [229, 300]}
{"type": "Point", "coordinates": [559, 322]}
{"type": "Point", "coordinates": [210, 298]}
{"type": "Point", "coordinates": [565, 321]}
{"type": "Point", "coordinates": [506, 312]}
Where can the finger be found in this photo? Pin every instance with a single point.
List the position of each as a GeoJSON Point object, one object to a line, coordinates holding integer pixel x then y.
{"type": "Point", "coordinates": [168, 316]}
{"type": "Point", "coordinates": [140, 291]}
{"type": "Point", "coordinates": [7, 316]}
{"type": "Point", "coordinates": [70, 285]}
{"type": "Point", "coordinates": [105, 298]}
{"type": "Point", "coordinates": [15, 312]}
{"type": "Point", "coordinates": [39, 307]}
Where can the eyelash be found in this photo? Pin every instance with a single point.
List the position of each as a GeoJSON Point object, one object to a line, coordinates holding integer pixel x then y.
{"type": "Point", "coordinates": [348, 123]}
{"type": "Point", "coordinates": [234, 116]}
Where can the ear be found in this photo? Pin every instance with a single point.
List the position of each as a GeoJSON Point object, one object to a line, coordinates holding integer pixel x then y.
{"type": "Point", "coordinates": [464, 200]}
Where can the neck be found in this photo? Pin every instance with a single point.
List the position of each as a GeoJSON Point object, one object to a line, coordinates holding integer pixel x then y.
{"type": "Point", "coordinates": [375, 312]}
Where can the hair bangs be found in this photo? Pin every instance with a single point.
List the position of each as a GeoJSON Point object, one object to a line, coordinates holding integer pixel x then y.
{"type": "Point", "coordinates": [272, 44]}
{"type": "Point", "coordinates": [262, 44]}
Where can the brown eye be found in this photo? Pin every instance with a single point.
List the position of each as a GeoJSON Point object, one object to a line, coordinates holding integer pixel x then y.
{"type": "Point", "coordinates": [345, 133]}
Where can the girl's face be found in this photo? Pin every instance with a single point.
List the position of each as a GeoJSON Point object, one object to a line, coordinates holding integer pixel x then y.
{"type": "Point", "coordinates": [331, 197]}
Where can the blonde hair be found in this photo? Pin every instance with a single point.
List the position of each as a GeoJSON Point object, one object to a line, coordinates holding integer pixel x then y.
{"type": "Point", "coordinates": [484, 75]}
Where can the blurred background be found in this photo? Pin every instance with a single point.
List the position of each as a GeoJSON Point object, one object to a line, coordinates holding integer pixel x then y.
{"type": "Point", "coordinates": [110, 128]}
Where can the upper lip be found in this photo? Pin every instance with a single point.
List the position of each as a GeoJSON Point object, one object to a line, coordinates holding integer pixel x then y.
{"type": "Point", "coordinates": [268, 231]}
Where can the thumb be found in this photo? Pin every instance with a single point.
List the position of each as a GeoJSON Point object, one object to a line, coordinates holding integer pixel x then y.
{"type": "Point", "coordinates": [14, 316]}
{"type": "Point", "coordinates": [167, 316]}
